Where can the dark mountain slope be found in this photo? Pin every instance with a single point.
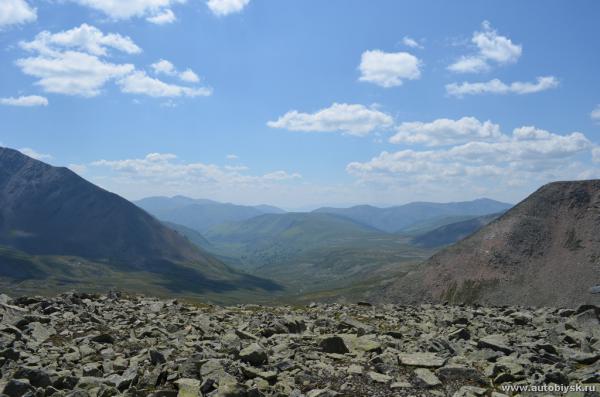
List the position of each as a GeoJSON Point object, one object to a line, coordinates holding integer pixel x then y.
{"type": "Point", "coordinates": [201, 214]}
{"type": "Point", "coordinates": [399, 218]}
{"type": "Point", "coordinates": [544, 251]}
{"type": "Point", "coordinates": [51, 211]}
{"type": "Point", "coordinates": [453, 232]}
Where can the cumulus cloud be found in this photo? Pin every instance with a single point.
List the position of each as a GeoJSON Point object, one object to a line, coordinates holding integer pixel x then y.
{"type": "Point", "coordinates": [491, 48]}
{"type": "Point", "coordinates": [165, 67]}
{"type": "Point", "coordinates": [410, 42]}
{"type": "Point", "coordinates": [166, 168]}
{"type": "Point", "coordinates": [595, 114]}
{"type": "Point", "coordinates": [72, 73]}
{"type": "Point", "coordinates": [232, 157]}
{"type": "Point", "coordinates": [344, 118]}
{"type": "Point", "coordinates": [83, 38]}
{"type": "Point", "coordinates": [34, 154]}
{"type": "Point", "coordinates": [155, 11]}
{"type": "Point", "coordinates": [446, 131]}
{"type": "Point", "coordinates": [75, 62]}
{"type": "Point", "coordinates": [70, 62]}
{"type": "Point", "coordinates": [139, 82]}
{"type": "Point", "coordinates": [497, 86]}
{"type": "Point", "coordinates": [489, 158]}
{"type": "Point", "coordinates": [226, 7]}
{"type": "Point", "coordinates": [28, 101]}
{"type": "Point", "coordinates": [388, 69]}
{"type": "Point", "coordinates": [16, 12]}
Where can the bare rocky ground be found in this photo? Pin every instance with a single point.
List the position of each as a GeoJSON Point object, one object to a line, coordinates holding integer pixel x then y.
{"type": "Point", "coordinates": [81, 345]}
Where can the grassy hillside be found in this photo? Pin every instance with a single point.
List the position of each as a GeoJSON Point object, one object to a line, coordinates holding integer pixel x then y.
{"type": "Point", "coordinates": [22, 274]}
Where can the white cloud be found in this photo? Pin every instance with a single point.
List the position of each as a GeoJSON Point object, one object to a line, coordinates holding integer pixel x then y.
{"type": "Point", "coordinates": [388, 69]}
{"type": "Point", "coordinates": [493, 160]}
{"type": "Point", "coordinates": [72, 73]}
{"type": "Point", "coordinates": [165, 168]}
{"type": "Point", "coordinates": [165, 67]}
{"type": "Point", "coordinates": [83, 38]}
{"type": "Point", "coordinates": [74, 62]}
{"type": "Point", "coordinates": [15, 12]}
{"type": "Point", "coordinates": [167, 16]}
{"type": "Point", "coordinates": [226, 7]}
{"type": "Point", "coordinates": [70, 62]}
{"type": "Point", "coordinates": [34, 154]}
{"type": "Point", "coordinates": [496, 86]}
{"type": "Point", "coordinates": [469, 64]}
{"type": "Point", "coordinates": [232, 157]}
{"type": "Point", "coordinates": [445, 131]}
{"type": "Point", "coordinates": [189, 76]}
{"type": "Point", "coordinates": [345, 118]}
{"type": "Point", "coordinates": [139, 82]}
{"type": "Point", "coordinates": [29, 100]}
{"type": "Point", "coordinates": [156, 11]}
{"type": "Point", "coordinates": [491, 47]}
{"type": "Point", "coordinates": [410, 42]}
{"type": "Point", "coordinates": [595, 114]}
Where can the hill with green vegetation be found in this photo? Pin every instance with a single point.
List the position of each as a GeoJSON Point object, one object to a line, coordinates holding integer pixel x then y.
{"type": "Point", "coordinates": [313, 251]}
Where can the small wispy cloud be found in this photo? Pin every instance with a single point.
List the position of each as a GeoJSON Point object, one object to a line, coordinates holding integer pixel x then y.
{"type": "Point", "coordinates": [26, 101]}
{"type": "Point", "coordinates": [497, 86]}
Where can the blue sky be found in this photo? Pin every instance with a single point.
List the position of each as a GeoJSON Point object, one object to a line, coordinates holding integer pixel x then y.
{"type": "Point", "coordinates": [304, 103]}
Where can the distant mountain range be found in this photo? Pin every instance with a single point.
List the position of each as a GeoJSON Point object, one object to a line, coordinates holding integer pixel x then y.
{"type": "Point", "coordinates": [404, 217]}
{"type": "Point", "coordinates": [544, 251]}
{"type": "Point", "coordinates": [319, 249]}
{"type": "Point", "coordinates": [201, 214]}
{"type": "Point", "coordinates": [50, 211]}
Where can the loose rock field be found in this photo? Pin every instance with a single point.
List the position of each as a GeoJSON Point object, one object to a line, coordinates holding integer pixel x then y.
{"type": "Point", "coordinates": [82, 345]}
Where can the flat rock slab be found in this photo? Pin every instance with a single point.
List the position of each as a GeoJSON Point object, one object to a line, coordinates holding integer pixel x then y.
{"type": "Point", "coordinates": [424, 360]}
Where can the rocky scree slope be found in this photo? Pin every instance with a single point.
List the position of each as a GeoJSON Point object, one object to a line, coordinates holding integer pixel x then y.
{"type": "Point", "coordinates": [544, 251]}
{"type": "Point", "coordinates": [81, 345]}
